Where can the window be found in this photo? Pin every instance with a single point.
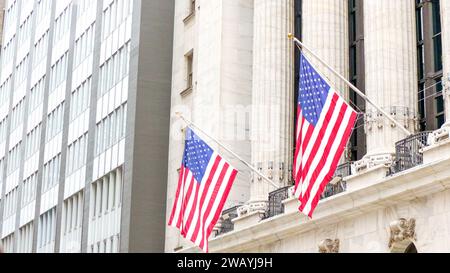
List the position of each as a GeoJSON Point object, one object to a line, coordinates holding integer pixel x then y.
{"type": "Point", "coordinates": [114, 15]}
{"type": "Point", "coordinates": [37, 94]}
{"type": "Point", "coordinates": [111, 129]}
{"type": "Point", "coordinates": [51, 173]}
{"type": "Point", "coordinates": [55, 122]}
{"type": "Point", "coordinates": [72, 213]}
{"type": "Point", "coordinates": [8, 243]}
{"type": "Point", "coordinates": [189, 70]}
{"type": "Point", "coordinates": [58, 73]}
{"type": "Point", "coordinates": [46, 230]}
{"type": "Point", "coordinates": [62, 24]}
{"type": "Point", "coordinates": [114, 69]}
{"type": "Point", "coordinates": [437, 38]}
{"type": "Point", "coordinates": [32, 142]}
{"type": "Point", "coordinates": [29, 189]}
{"type": "Point", "coordinates": [84, 46]}
{"type": "Point", "coordinates": [25, 242]}
{"type": "Point", "coordinates": [105, 198]}
{"type": "Point", "coordinates": [14, 157]}
{"type": "Point", "coordinates": [80, 99]}
{"type": "Point", "coordinates": [76, 154]}
{"type": "Point", "coordinates": [40, 49]}
{"type": "Point", "coordinates": [11, 200]}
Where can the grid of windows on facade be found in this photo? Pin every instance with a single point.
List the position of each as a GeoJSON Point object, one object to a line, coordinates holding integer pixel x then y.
{"type": "Point", "coordinates": [47, 231]}
{"type": "Point", "coordinates": [25, 240]}
{"type": "Point", "coordinates": [111, 129]}
{"type": "Point", "coordinates": [105, 207]}
{"type": "Point", "coordinates": [14, 158]}
{"type": "Point", "coordinates": [40, 49]}
{"type": "Point", "coordinates": [62, 24]}
{"type": "Point", "coordinates": [114, 69]}
{"type": "Point", "coordinates": [72, 214]}
{"type": "Point", "coordinates": [25, 30]}
{"type": "Point", "coordinates": [55, 122]}
{"type": "Point", "coordinates": [36, 95]}
{"type": "Point", "coordinates": [113, 16]}
{"type": "Point", "coordinates": [80, 99]}
{"type": "Point", "coordinates": [42, 10]}
{"type": "Point", "coordinates": [22, 71]}
{"type": "Point", "coordinates": [76, 154]}
{"type": "Point", "coordinates": [58, 72]}
{"type": "Point", "coordinates": [84, 46]}
{"type": "Point", "coordinates": [51, 173]}
{"type": "Point", "coordinates": [29, 189]}
{"type": "Point", "coordinates": [10, 205]}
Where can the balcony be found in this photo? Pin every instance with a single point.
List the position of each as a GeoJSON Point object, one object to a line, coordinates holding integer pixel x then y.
{"type": "Point", "coordinates": [408, 152]}
{"type": "Point", "coordinates": [276, 198]}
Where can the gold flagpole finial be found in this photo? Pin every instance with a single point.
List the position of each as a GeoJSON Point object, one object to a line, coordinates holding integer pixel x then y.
{"type": "Point", "coordinates": [290, 35]}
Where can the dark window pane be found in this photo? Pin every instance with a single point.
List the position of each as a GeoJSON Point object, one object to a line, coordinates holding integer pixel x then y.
{"type": "Point", "coordinates": [439, 104]}
{"type": "Point", "coordinates": [436, 17]}
{"type": "Point", "coordinates": [421, 101]}
{"type": "Point", "coordinates": [437, 41]}
{"type": "Point", "coordinates": [440, 120]}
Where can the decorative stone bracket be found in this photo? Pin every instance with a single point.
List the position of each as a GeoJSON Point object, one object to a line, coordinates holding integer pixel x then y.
{"type": "Point", "coordinates": [329, 246]}
{"type": "Point", "coordinates": [372, 161]}
{"type": "Point", "coordinates": [402, 230]}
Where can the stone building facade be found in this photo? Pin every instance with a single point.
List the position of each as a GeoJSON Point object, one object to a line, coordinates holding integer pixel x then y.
{"type": "Point", "coordinates": [234, 72]}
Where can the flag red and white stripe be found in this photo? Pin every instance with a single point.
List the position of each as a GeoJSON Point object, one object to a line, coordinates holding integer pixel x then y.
{"type": "Point", "coordinates": [198, 204]}
{"type": "Point", "coordinates": [324, 125]}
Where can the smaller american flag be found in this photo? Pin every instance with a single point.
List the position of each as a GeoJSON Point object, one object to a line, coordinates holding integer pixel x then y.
{"type": "Point", "coordinates": [203, 186]}
{"type": "Point", "coordinates": [324, 125]}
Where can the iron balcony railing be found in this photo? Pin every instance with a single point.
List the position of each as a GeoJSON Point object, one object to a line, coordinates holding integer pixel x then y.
{"type": "Point", "coordinates": [408, 152]}
{"type": "Point", "coordinates": [275, 206]}
{"type": "Point", "coordinates": [340, 186]}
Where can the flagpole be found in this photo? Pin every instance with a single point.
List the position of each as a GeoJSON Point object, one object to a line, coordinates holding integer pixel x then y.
{"type": "Point", "coordinates": [193, 125]}
{"type": "Point", "coordinates": [354, 88]}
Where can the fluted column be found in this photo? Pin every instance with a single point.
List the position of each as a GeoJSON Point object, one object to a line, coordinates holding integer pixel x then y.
{"type": "Point", "coordinates": [273, 100]}
{"type": "Point", "coordinates": [325, 30]}
{"type": "Point", "coordinates": [445, 17]}
{"type": "Point", "coordinates": [391, 73]}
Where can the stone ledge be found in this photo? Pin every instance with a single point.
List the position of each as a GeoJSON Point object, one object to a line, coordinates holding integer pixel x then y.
{"type": "Point", "coordinates": [436, 152]}
{"type": "Point", "coordinates": [415, 183]}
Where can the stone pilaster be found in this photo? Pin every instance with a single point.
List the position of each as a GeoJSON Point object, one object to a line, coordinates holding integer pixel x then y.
{"type": "Point", "coordinates": [273, 107]}
{"type": "Point", "coordinates": [445, 17]}
{"type": "Point", "coordinates": [391, 74]}
{"type": "Point", "coordinates": [325, 30]}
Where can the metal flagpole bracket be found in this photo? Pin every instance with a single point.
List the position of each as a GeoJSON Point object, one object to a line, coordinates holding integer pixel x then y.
{"type": "Point", "coordinates": [354, 88]}
{"type": "Point", "coordinates": [194, 126]}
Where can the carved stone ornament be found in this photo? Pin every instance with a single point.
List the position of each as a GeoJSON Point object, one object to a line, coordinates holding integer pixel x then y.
{"type": "Point", "coordinates": [402, 230]}
{"type": "Point", "coordinates": [329, 246]}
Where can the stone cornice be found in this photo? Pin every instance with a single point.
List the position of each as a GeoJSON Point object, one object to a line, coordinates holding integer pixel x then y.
{"type": "Point", "coordinates": [414, 183]}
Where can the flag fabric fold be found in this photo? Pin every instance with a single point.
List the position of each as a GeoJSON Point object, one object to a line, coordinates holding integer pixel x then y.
{"type": "Point", "coordinates": [204, 183]}
{"type": "Point", "coordinates": [324, 126]}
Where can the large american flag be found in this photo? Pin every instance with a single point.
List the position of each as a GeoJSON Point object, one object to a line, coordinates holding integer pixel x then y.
{"type": "Point", "coordinates": [204, 184]}
{"type": "Point", "coordinates": [324, 125]}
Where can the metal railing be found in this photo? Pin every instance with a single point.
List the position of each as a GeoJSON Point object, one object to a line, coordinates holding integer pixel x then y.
{"type": "Point", "coordinates": [408, 152]}
{"type": "Point", "coordinates": [275, 205]}
{"type": "Point", "coordinates": [340, 186]}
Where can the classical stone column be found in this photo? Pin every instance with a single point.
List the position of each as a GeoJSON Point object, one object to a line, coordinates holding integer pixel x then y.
{"type": "Point", "coordinates": [445, 17]}
{"type": "Point", "coordinates": [325, 30]}
{"type": "Point", "coordinates": [391, 74]}
{"type": "Point", "coordinates": [273, 100]}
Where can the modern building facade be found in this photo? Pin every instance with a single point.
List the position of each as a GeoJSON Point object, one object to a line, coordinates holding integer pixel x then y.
{"type": "Point", "coordinates": [84, 107]}
{"type": "Point", "coordinates": [235, 73]}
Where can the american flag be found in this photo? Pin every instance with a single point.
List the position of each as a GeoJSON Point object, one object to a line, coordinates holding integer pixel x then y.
{"type": "Point", "coordinates": [203, 186]}
{"type": "Point", "coordinates": [324, 125]}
